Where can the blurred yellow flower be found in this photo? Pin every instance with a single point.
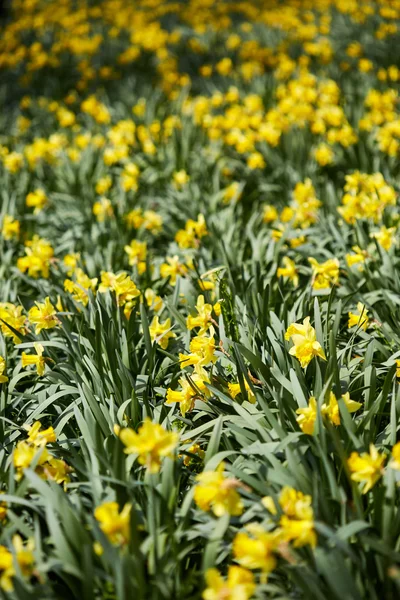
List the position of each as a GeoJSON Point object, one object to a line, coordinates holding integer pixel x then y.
{"type": "Point", "coordinates": [239, 584]}
{"type": "Point", "coordinates": [367, 467]}
{"type": "Point", "coordinates": [218, 493]}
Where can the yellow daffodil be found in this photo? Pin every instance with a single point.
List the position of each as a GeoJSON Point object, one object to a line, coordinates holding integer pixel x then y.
{"type": "Point", "coordinates": [35, 359]}
{"type": "Point", "coordinates": [305, 344]}
{"type": "Point", "coordinates": [191, 389]}
{"type": "Point", "coordinates": [239, 584]}
{"type": "Point", "coordinates": [360, 318]}
{"type": "Point", "coordinates": [151, 443]}
{"type": "Point", "coordinates": [11, 228]}
{"type": "Point", "coordinates": [307, 416]}
{"type": "Point", "coordinates": [161, 332]}
{"type": "Point", "coordinates": [43, 315]}
{"type": "Point", "coordinates": [3, 378]}
{"type": "Point", "coordinates": [325, 275]}
{"type": "Point", "coordinates": [218, 493]}
{"type": "Point", "coordinates": [366, 467]}
{"type": "Point", "coordinates": [113, 523]}
{"type": "Point", "coordinates": [255, 549]}
{"type": "Point", "coordinates": [385, 237]}
{"type": "Point", "coordinates": [36, 200]}
{"type": "Point", "coordinates": [288, 271]}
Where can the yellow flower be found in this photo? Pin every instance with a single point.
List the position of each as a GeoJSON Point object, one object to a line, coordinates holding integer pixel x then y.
{"type": "Point", "coordinates": [239, 584]}
{"type": "Point", "coordinates": [13, 162]}
{"type": "Point", "coordinates": [39, 253]}
{"type": "Point", "coordinates": [152, 300]}
{"type": "Point", "coordinates": [298, 521]}
{"type": "Point", "coordinates": [256, 551]}
{"type": "Point", "coordinates": [289, 271]}
{"type": "Point", "coordinates": [305, 342]}
{"type": "Point", "coordinates": [194, 449]}
{"type": "Point", "coordinates": [161, 332]}
{"type": "Point", "coordinates": [301, 532]}
{"type": "Point", "coordinates": [385, 237]}
{"type": "Point", "coordinates": [218, 493]}
{"type": "Point", "coordinates": [36, 200]}
{"type": "Point", "coordinates": [193, 232]}
{"type": "Point", "coordinates": [71, 262]}
{"type": "Point", "coordinates": [232, 192]}
{"type": "Point", "coordinates": [11, 228]}
{"type": "Point", "coordinates": [103, 185]}
{"type": "Point", "coordinates": [114, 524]}
{"type": "Point", "coordinates": [326, 274]}
{"type": "Point", "coordinates": [203, 318]}
{"type": "Point", "coordinates": [307, 416]}
{"type": "Point", "coordinates": [103, 209]}
{"type": "Point", "coordinates": [11, 315]}
{"type": "Point", "coordinates": [359, 256]}
{"type": "Point", "coordinates": [152, 443]}
{"type": "Point", "coordinates": [270, 213]}
{"type": "Point", "coordinates": [80, 288]}
{"type": "Point", "coordinates": [137, 252]}
{"type": "Point", "coordinates": [24, 554]}
{"type": "Point", "coordinates": [3, 378]}
{"type": "Point", "coordinates": [40, 437]}
{"type": "Point", "coordinates": [180, 178]}
{"type": "Point", "coordinates": [202, 352]}
{"type": "Point", "coordinates": [123, 286]}
{"type": "Point", "coordinates": [256, 161]}
{"type": "Point", "coordinates": [129, 178]}
{"type": "Point", "coordinates": [56, 470]}
{"type": "Point", "coordinates": [360, 318]}
{"type": "Point", "coordinates": [3, 509]}
{"type": "Point", "coordinates": [24, 454]}
{"type": "Point", "coordinates": [395, 462]}
{"type": "Point", "coordinates": [331, 410]}
{"type": "Point", "coordinates": [172, 268]}
{"type": "Point", "coordinates": [35, 359]}
{"type": "Point", "coordinates": [324, 155]}
{"type": "Point", "coordinates": [43, 315]}
{"type": "Point", "coordinates": [234, 390]}
{"type": "Point", "coordinates": [7, 570]}
{"type": "Point", "coordinates": [366, 468]}
{"type": "Point", "coordinates": [188, 393]}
